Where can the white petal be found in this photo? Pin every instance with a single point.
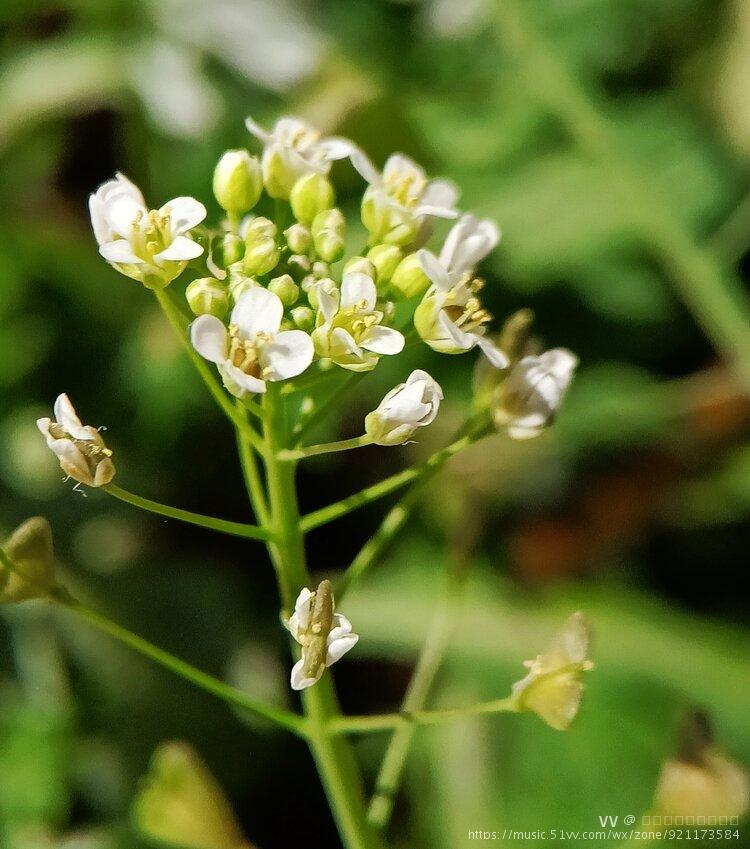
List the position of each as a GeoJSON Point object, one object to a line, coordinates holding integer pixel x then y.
{"type": "Point", "coordinates": [43, 425]}
{"type": "Point", "coordinates": [184, 213]}
{"type": "Point", "coordinates": [122, 213]}
{"type": "Point", "coordinates": [453, 333]}
{"type": "Point", "coordinates": [339, 646]}
{"type": "Point", "coordinates": [400, 166]}
{"type": "Point", "coordinates": [561, 362]}
{"type": "Point", "coordinates": [358, 289]}
{"type": "Point", "coordinates": [302, 606]}
{"type": "Point", "coordinates": [492, 352]}
{"type": "Point", "coordinates": [119, 252]}
{"type": "Point", "coordinates": [289, 354]}
{"type": "Point", "coordinates": [328, 301]}
{"type": "Point", "coordinates": [442, 194]}
{"type": "Point", "coordinates": [336, 148]}
{"type": "Point", "coordinates": [361, 163]}
{"type": "Point", "coordinates": [382, 340]}
{"type": "Point", "coordinates": [210, 338]}
{"type": "Point", "coordinates": [99, 221]}
{"type": "Point", "coordinates": [244, 383]}
{"type": "Point", "coordinates": [257, 311]}
{"type": "Point", "coordinates": [181, 249]}
{"type": "Point", "coordinates": [435, 270]}
{"type": "Point", "coordinates": [257, 131]}
{"type": "Point", "coordinates": [433, 388]}
{"type": "Point", "coordinates": [341, 624]}
{"type": "Point", "coordinates": [65, 415]}
{"type": "Point", "coordinates": [72, 460]}
{"type": "Point", "coordinates": [343, 343]}
{"type": "Point", "coordinates": [298, 680]}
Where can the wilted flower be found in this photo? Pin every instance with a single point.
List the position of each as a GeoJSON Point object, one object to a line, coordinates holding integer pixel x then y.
{"type": "Point", "coordinates": [325, 636]}
{"type": "Point", "coordinates": [152, 246]}
{"type": "Point", "coordinates": [700, 780]}
{"type": "Point", "coordinates": [252, 350]}
{"type": "Point", "coordinates": [528, 399]}
{"type": "Point", "coordinates": [349, 326]}
{"type": "Point", "coordinates": [293, 149]}
{"type": "Point", "coordinates": [405, 408]}
{"type": "Point", "coordinates": [27, 567]}
{"type": "Point", "coordinates": [79, 448]}
{"type": "Point", "coordinates": [553, 687]}
{"type": "Point", "coordinates": [400, 200]}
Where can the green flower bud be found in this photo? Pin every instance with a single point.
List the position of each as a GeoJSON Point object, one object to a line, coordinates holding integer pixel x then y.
{"type": "Point", "coordinates": [240, 285]}
{"type": "Point", "coordinates": [298, 265]}
{"type": "Point", "coordinates": [207, 296]}
{"type": "Point", "coordinates": [321, 269]}
{"type": "Point", "coordinates": [285, 289]}
{"type": "Point", "coordinates": [180, 803]}
{"type": "Point", "coordinates": [409, 281]}
{"type": "Point", "coordinates": [261, 251]}
{"type": "Point", "coordinates": [328, 230]}
{"type": "Point", "coordinates": [361, 264]}
{"type": "Point", "coordinates": [299, 238]}
{"type": "Point", "coordinates": [27, 567]}
{"type": "Point", "coordinates": [238, 182]}
{"type": "Point", "coordinates": [232, 248]}
{"type": "Point", "coordinates": [385, 258]}
{"type": "Point", "coordinates": [303, 318]}
{"type": "Point", "coordinates": [311, 195]}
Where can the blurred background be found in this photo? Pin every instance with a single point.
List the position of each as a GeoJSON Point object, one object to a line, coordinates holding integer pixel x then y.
{"type": "Point", "coordinates": [611, 141]}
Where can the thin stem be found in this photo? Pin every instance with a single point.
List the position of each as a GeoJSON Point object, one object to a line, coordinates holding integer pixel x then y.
{"type": "Point", "coordinates": [205, 371]}
{"type": "Point", "coordinates": [403, 719]}
{"type": "Point", "coordinates": [326, 448]}
{"type": "Point", "coordinates": [251, 475]}
{"type": "Point", "coordinates": [281, 717]}
{"type": "Point", "coordinates": [336, 763]}
{"type": "Point", "coordinates": [385, 487]}
{"type": "Point", "coordinates": [430, 658]}
{"type": "Point", "coordinates": [224, 526]}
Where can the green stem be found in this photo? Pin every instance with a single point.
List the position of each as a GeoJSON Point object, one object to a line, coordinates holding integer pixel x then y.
{"type": "Point", "coordinates": [385, 487]}
{"type": "Point", "coordinates": [403, 719]}
{"type": "Point", "coordinates": [224, 526]}
{"type": "Point", "coordinates": [251, 475]}
{"type": "Point", "coordinates": [283, 718]}
{"type": "Point", "coordinates": [326, 448]}
{"type": "Point", "coordinates": [336, 763]}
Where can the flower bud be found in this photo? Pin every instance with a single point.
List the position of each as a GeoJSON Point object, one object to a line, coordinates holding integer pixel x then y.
{"type": "Point", "coordinates": [180, 803]}
{"type": "Point", "coordinates": [328, 235]}
{"type": "Point", "coordinates": [321, 270]}
{"type": "Point", "coordinates": [409, 280]}
{"type": "Point", "coordinates": [360, 263]}
{"type": "Point", "coordinates": [261, 251]}
{"type": "Point", "coordinates": [311, 195]}
{"type": "Point", "coordinates": [207, 296]}
{"type": "Point", "coordinates": [27, 567]}
{"type": "Point", "coordinates": [326, 284]}
{"type": "Point", "coordinates": [238, 182]}
{"type": "Point", "coordinates": [405, 408]}
{"type": "Point", "coordinates": [387, 223]}
{"type": "Point", "coordinates": [303, 318]}
{"type": "Point", "coordinates": [285, 289]}
{"type": "Point", "coordinates": [298, 265]}
{"type": "Point", "coordinates": [553, 687]}
{"type": "Point", "coordinates": [299, 238]}
{"type": "Point", "coordinates": [232, 248]}
{"type": "Point", "coordinates": [699, 780]}
{"type": "Point", "coordinates": [385, 258]}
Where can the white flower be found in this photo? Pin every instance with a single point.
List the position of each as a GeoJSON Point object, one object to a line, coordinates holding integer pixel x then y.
{"type": "Point", "coordinates": [152, 246]}
{"type": "Point", "coordinates": [399, 202]}
{"type": "Point", "coordinates": [533, 392]}
{"type": "Point", "coordinates": [405, 408]}
{"type": "Point", "coordinates": [252, 350]}
{"type": "Point", "coordinates": [553, 687]}
{"type": "Point", "coordinates": [325, 636]}
{"type": "Point", "coordinates": [293, 149]}
{"type": "Point", "coordinates": [79, 448]}
{"type": "Point", "coordinates": [469, 241]}
{"type": "Point", "coordinates": [349, 326]}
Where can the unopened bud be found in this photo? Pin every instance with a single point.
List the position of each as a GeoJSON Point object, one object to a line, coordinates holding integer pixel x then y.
{"type": "Point", "coordinates": [303, 318]}
{"type": "Point", "coordinates": [515, 333]}
{"type": "Point", "coordinates": [321, 270]}
{"type": "Point", "coordinates": [298, 265]}
{"type": "Point", "coordinates": [285, 289]}
{"type": "Point", "coordinates": [385, 258]}
{"type": "Point", "coordinates": [232, 249]}
{"type": "Point", "coordinates": [311, 195]}
{"type": "Point", "coordinates": [409, 280]}
{"type": "Point", "coordinates": [207, 296]}
{"type": "Point", "coordinates": [299, 238]}
{"type": "Point", "coordinates": [328, 235]}
{"type": "Point", "coordinates": [27, 567]}
{"type": "Point", "coordinates": [362, 264]}
{"type": "Point", "coordinates": [238, 182]}
{"type": "Point", "coordinates": [261, 251]}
